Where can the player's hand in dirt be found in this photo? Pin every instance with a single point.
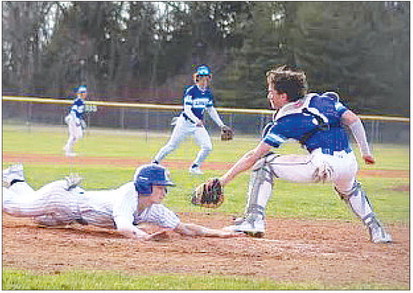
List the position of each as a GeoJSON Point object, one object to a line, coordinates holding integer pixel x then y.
{"type": "Point", "coordinates": [230, 234]}
{"type": "Point", "coordinates": [158, 236]}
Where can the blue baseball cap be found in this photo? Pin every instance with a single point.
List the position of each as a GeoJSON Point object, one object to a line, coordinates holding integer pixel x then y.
{"type": "Point", "coordinates": [82, 89]}
{"type": "Point", "coordinates": [203, 70]}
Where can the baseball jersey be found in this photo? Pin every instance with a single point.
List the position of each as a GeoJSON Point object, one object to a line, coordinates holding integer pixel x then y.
{"type": "Point", "coordinates": [104, 208]}
{"type": "Point", "coordinates": [314, 121]}
{"type": "Point", "coordinates": [198, 99]}
{"type": "Point", "coordinates": [78, 108]}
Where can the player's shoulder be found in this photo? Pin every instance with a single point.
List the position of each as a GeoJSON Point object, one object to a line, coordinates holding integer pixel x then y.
{"type": "Point", "coordinates": [78, 101]}
{"type": "Point", "coordinates": [189, 89]}
{"type": "Point", "coordinates": [326, 97]}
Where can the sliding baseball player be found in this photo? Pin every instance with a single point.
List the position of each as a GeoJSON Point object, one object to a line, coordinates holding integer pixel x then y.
{"type": "Point", "coordinates": [63, 202]}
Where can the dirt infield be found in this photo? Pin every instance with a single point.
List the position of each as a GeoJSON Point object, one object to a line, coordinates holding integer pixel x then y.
{"type": "Point", "coordinates": [330, 253]}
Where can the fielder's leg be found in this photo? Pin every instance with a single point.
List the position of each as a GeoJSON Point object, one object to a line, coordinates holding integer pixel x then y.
{"type": "Point", "coordinates": [359, 203]}
{"type": "Point", "coordinates": [259, 192]}
{"type": "Point", "coordinates": [203, 139]}
{"type": "Point", "coordinates": [75, 134]}
{"type": "Point", "coordinates": [180, 131]}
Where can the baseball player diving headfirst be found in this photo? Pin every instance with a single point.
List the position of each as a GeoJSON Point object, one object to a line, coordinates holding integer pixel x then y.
{"type": "Point", "coordinates": [196, 99]}
{"type": "Point", "coordinates": [318, 122]}
{"type": "Point", "coordinates": [63, 202]}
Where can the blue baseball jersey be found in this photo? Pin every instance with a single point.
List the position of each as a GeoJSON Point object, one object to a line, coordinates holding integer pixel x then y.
{"type": "Point", "coordinates": [78, 107]}
{"type": "Point", "coordinates": [198, 99]}
{"type": "Point", "coordinates": [314, 121]}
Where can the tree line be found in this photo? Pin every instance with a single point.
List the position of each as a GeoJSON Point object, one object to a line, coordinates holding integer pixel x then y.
{"type": "Point", "coordinates": [147, 51]}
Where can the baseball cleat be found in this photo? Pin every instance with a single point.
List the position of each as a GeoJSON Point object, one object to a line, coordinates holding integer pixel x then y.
{"type": "Point", "coordinates": [14, 172]}
{"type": "Point", "coordinates": [378, 234]}
{"type": "Point", "coordinates": [73, 180]}
{"type": "Point", "coordinates": [253, 226]}
{"type": "Point", "coordinates": [195, 171]}
{"type": "Point", "coordinates": [255, 235]}
{"type": "Point", "coordinates": [71, 154]}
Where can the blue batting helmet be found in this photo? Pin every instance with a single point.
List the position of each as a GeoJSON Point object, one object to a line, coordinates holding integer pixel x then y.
{"type": "Point", "coordinates": [148, 175]}
{"type": "Point", "coordinates": [203, 70]}
{"type": "Point", "coordinates": [82, 89]}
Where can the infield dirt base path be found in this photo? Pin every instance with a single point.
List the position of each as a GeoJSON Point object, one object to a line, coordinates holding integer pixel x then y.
{"type": "Point", "coordinates": [330, 253]}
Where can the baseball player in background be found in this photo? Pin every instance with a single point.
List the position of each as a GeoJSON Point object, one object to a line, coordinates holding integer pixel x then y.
{"type": "Point", "coordinates": [75, 120]}
{"type": "Point", "coordinates": [63, 202]}
{"type": "Point", "coordinates": [318, 122]}
{"type": "Point", "coordinates": [197, 98]}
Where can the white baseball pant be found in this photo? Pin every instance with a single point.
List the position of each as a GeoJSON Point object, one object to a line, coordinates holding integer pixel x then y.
{"type": "Point", "coordinates": [184, 128]}
{"type": "Point", "coordinates": [340, 168]}
{"type": "Point", "coordinates": [75, 132]}
{"type": "Point", "coordinates": [51, 205]}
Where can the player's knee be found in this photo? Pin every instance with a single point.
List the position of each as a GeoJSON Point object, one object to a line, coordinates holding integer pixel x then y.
{"type": "Point", "coordinates": [264, 161]}
{"type": "Point", "coordinates": [346, 194]}
{"type": "Point", "coordinates": [207, 148]}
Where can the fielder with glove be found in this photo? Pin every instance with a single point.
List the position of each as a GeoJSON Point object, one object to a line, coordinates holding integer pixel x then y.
{"type": "Point", "coordinates": [75, 120]}
{"type": "Point", "coordinates": [318, 122]}
{"type": "Point", "coordinates": [197, 99]}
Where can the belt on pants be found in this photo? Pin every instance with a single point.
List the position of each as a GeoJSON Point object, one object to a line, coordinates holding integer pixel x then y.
{"type": "Point", "coordinates": [332, 152]}
{"type": "Point", "coordinates": [187, 118]}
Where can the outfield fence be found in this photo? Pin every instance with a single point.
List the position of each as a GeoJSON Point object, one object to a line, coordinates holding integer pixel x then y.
{"type": "Point", "coordinates": [157, 118]}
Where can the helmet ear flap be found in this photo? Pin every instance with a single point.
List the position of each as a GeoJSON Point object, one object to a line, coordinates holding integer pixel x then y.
{"type": "Point", "coordinates": [143, 188]}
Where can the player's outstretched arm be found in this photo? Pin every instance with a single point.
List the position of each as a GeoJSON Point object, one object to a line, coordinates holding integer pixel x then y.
{"type": "Point", "coordinates": [353, 122]}
{"type": "Point", "coordinates": [198, 230]}
{"type": "Point", "coordinates": [245, 163]}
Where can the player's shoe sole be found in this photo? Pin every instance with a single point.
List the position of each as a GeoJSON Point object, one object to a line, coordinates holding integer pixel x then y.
{"type": "Point", "coordinates": [255, 234]}
{"type": "Point", "coordinates": [195, 171]}
{"type": "Point", "coordinates": [14, 172]}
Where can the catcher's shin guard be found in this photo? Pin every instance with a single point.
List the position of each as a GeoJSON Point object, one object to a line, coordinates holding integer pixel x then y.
{"type": "Point", "coordinates": [361, 206]}
{"type": "Point", "coordinates": [259, 192]}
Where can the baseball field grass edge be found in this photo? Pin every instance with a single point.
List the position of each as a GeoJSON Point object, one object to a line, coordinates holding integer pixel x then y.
{"type": "Point", "coordinates": [100, 280]}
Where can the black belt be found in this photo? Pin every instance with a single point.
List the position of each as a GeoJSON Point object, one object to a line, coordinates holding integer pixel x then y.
{"type": "Point", "coordinates": [187, 118]}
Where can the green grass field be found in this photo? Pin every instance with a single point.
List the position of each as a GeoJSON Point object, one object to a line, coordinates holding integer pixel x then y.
{"type": "Point", "coordinates": [289, 200]}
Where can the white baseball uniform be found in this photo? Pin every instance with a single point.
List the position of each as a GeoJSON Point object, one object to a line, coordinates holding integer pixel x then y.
{"type": "Point", "coordinates": [54, 205]}
{"type": "Point", "coordinates": [196, 101]}
{"type": "Point", "coordinates": [74, 120]}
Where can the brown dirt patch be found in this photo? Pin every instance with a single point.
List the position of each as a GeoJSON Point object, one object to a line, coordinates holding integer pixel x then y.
{"type": "Point", "coordinates": [173, 164]}
{"type": "Point", "coordinates": [330, 253]}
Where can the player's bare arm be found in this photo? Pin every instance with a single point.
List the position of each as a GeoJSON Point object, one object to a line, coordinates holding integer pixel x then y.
{"type": "Point", "coordinates": [246, 162]}
{"type": "Point", "coordinates": [353, 122]}
{"type": "Point", "coordinates": [194, 230]}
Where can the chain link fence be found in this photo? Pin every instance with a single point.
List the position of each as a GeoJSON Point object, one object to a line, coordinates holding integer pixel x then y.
{"type": "Point", "coordinates": [157, 118]}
